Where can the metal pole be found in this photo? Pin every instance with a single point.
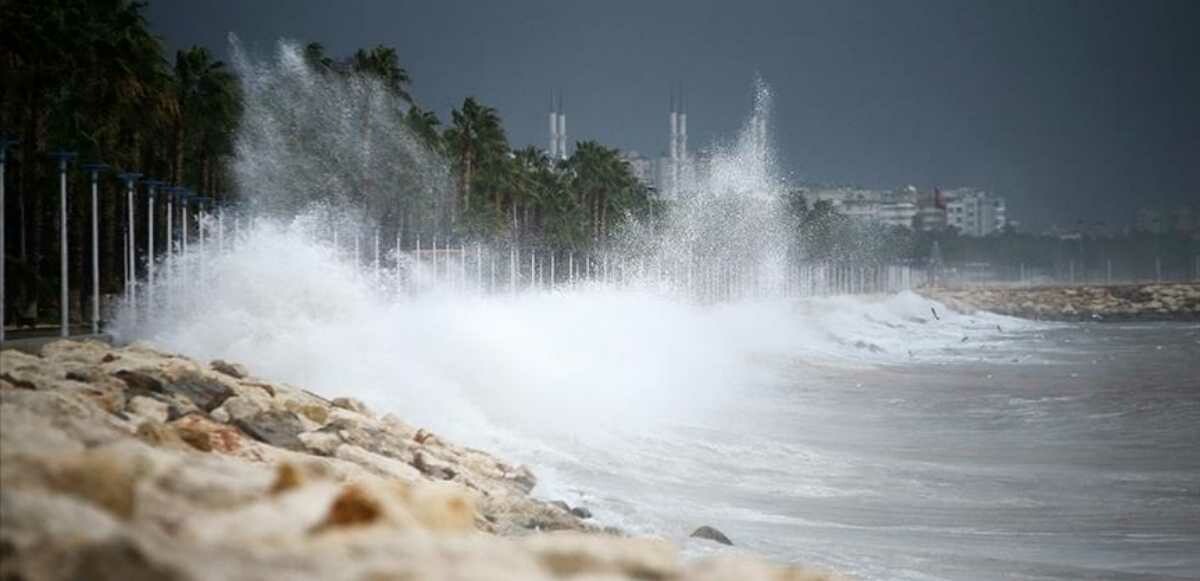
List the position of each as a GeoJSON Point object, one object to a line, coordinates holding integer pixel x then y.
{"type": "Point", "coordinates": [63, 158]}
{"type": "Point", "coordinates": [171, 192]}
{"type": "Point", "coordinates": [150, 242]}
{"type": "Point", "coordinates": [64, 307]}
{"type": "Point", "coordinates": [4, 143]}
{"type": "Point", "coordinates": [130, 179]}
{"type": "Point", "coordinates": [183, 221]}
{"type": "Point", "coordinates": [3, 148]}
{"type": "Point", "coordinates": [95, 168]}
{"type": "Point", "coordinates": [512, 270]}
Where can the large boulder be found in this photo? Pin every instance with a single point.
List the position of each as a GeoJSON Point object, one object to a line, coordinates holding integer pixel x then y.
{"type": "Point", "coordinates": [278, 428]}
{"type": "Point", "coordinates": [712, 534]}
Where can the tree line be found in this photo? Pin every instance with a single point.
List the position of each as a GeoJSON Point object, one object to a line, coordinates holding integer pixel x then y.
{"type": "Point", "coordinates": [89, 76]}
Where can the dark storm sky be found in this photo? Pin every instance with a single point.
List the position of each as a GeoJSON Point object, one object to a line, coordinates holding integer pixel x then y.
{"type": "Point", "coordinates": [1085, 109]}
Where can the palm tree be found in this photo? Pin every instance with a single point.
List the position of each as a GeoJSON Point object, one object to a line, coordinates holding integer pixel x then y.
{"type": "Point", "coordinates": [476, 140]}
{"type": "Point", "coordinates": [425, 125]}
{"type": "Point", "coordinates": [593, 176]}
{"type": "Point", "coordinates": [208, 107]}
{"type": "Point", "coordinates": [383, 63]}
{"type": "Point", "coordinates": [314, 55]}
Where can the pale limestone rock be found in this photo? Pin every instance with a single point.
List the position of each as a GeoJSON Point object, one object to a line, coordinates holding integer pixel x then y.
{"type": "Point", "coordinates": [147, 408]}
{"type": "Point", "coordinates": [570, 554]}
{"type": "Point", "coordinates": [352, 404]}
{"type": "Point", "coordinates": [23, 431]}
{"type": "Point", "coordinates": [377, 464]}
{"type": "Point", "coordinates": [321, 443]}
{"type": "Point", "coordinates": [80, 496]}
{"type": "Point", "coordinates": [234, 370]}
{"type": "Point", "coordinates": [744, 567]}
{"type": "Point", "coordinates": [243, 407]}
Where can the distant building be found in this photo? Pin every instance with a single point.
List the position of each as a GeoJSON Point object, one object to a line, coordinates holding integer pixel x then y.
{"type": "Point", "coordinates": [1150, 221]}
{"type": "Point", "coordinates": [891, 208]}
{"type": "Point", "coordinates": [975, 212]}
{"type": "Point", "coordinates": [931, 211]}
{"type": "Point", "coordinates": [1182, 220]}
{"type": "Point", "coordinates": [642, 168]}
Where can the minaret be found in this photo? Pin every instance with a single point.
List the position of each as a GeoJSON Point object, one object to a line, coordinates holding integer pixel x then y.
{"type": "Point", "coordinates": [553, 149]}
{"type": "Point", "coordinates": [562, 129]}
{"type": "Point", "coordinates": [682, 128]}
{"type": "Point", "coordinates": [674, 144]}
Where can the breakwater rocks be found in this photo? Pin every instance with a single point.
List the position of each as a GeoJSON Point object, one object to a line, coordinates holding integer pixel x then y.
{"type": "Point", "coordinates": [1151, 302]}
{"type": "Point", "coordinates": [136, 464]}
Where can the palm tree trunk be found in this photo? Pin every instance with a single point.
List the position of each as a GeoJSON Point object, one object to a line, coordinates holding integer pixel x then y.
{"type": "Point", "coordinates": [205, 175]}
{"type": "Point", "coordinates": [466, 190]}
{"type": "Point", "coordinates": [604, 215]}
{"type": "Point", "coordinates": [178, 166]}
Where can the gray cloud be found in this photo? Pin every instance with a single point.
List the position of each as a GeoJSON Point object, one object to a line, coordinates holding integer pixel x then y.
{"type": "Point", "coordinates": [1080, 109]}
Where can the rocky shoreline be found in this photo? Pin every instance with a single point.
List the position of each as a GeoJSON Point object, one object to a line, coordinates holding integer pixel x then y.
{"type": "Point", "coordinates": [1125, 302]}
{"type": "Point", "coordinates": [131, 463]}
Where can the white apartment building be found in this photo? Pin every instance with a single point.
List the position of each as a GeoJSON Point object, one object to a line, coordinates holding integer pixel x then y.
{"type": "Point", "coordinates": [975, 212]}
{"type": "Point", "coordinates": [892, 208]}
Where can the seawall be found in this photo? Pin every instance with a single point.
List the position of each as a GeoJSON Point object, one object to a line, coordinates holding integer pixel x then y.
{"type": "Point", "coordinates": [1117, 302]}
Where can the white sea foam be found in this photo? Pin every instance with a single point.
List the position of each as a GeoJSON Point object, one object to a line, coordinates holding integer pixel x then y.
{"type": "Point", "coordinates": [554, 360]}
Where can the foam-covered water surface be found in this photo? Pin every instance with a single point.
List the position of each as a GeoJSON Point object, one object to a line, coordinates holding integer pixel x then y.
{"type": "Point", "coordinates": [864, 433]}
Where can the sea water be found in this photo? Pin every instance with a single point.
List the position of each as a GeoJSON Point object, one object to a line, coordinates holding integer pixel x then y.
{"type": "Point", "coordinates": [889, 437]}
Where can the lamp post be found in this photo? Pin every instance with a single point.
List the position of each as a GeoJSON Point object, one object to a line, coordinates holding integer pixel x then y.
{"type": "Point", "coordinates": [171, 193]}
{"type": "Point", "coordinates": [184, 195]}
{"type": "Point", "coordinates": [64, 158]}
{"type": "Point", "coordinates": [203, 208]}
{"type": "Point", "coordinates": [4, 143]}
{"type": "Point", "coordinates": [151, 188]}
{"type": "Point", "coordinates": [130, 179]}
{"type": "Point", "coordinates": [94, 169]}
